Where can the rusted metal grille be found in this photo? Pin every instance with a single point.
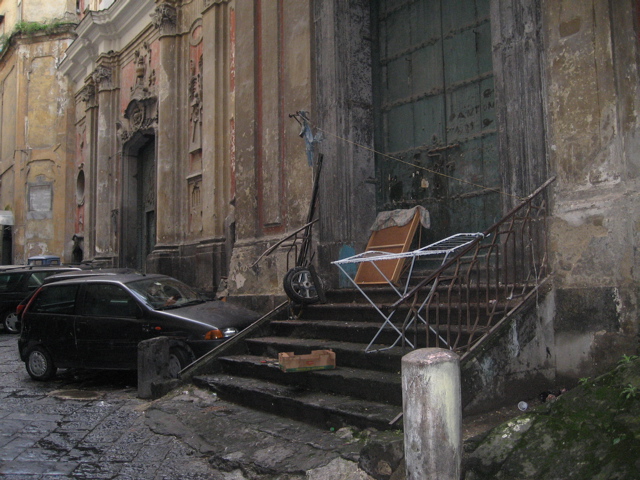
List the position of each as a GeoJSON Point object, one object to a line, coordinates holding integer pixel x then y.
{"type": "Point", "coordinates": [472, 294]}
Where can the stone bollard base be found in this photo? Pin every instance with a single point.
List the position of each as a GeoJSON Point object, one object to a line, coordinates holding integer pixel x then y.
{"type": "Point", "coordinates": [153, 367]}
{"type": "Point", "coordinates": [432, 406]}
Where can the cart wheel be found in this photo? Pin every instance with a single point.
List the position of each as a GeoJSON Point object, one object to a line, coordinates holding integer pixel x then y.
{"type": "Point", "coordinates": [299, 287]}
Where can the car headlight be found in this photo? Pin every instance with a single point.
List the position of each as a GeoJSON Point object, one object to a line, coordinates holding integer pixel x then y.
{"type": "Point", "coordinates": [229, 332]}
{"type": "Point", "coordinates": [217, 334]}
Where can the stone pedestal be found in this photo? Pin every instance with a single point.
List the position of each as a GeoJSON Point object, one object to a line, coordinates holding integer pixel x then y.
{"type": "Point", "coordinates": [432, 414]}
{"type": "Point", "coordinates": [153, 368]}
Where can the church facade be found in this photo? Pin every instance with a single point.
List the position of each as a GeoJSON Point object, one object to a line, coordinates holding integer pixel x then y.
{"type": "Point", "coordinates": [183, 154]}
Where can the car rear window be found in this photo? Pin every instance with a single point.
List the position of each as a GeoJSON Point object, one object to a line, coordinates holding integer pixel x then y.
{"type": "Point", "coordinates": [60, 299]}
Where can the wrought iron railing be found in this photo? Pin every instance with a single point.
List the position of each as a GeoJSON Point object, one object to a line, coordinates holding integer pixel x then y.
{"type": "Point", "coordinates": [473, 293]}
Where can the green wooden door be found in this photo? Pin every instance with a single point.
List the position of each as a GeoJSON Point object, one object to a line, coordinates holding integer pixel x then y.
{"type": "Point", "coordinates": [434, 110]}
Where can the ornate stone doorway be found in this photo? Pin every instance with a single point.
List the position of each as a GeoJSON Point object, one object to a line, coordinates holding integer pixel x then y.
{"type": "Point", "coordinates": [139, 203]}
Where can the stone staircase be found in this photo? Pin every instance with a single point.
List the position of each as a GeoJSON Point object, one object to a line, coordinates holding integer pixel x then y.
{"type": "Point", "coordinates": [365, 388]}
{"type": "Point", "coordinates": [468, 301]}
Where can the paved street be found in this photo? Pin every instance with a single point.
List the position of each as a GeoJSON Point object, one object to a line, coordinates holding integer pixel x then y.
{"type": "Point", "coordinates": [82, 426]}
{"type": "Point", "coordinates": [91, 425]}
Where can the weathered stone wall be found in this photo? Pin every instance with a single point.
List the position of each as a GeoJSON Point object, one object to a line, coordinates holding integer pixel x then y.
{"type": "Point", "coordinates": [46, 10]}
{"type": "Point", "coordinates": [273, 78]}
{"type": "Point", "coordinates": [517, 364]}
{"type": "Point", "coordinates": [592, 104]}
{"type": "Point", "coordinates": [39, 11]}
{"type": "Point", "coordinates": [35, 153]}
{"type": "Point", "coordinates": [344, 92]}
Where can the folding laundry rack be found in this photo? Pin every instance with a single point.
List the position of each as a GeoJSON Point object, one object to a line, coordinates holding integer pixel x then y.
{"type": "Point", "coordinates": [374, 258]}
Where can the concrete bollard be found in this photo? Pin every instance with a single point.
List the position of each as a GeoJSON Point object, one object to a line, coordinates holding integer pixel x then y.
{"type": "Point", "coordinates": [431, 398]}
{"type": "Point", "coordinates": [153, 365]}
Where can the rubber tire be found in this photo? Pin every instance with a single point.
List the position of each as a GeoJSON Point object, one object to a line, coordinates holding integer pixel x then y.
{"type": "Point", "coordinates": [299, 287]}
{"type": "Point", "coordinates": [40, 365]}
{"type": "Point", "coordinates": [9, 320]}
{"type": "Point", "coordinates": [179, 358]}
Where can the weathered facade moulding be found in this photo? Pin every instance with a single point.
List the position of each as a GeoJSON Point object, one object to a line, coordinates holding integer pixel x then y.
{"type": "Point", "coordinates": [104, 77]}
{"type": "Point", "coordinates": [165, 18]}
{"type": "Point", "coordinates": [208, 4]}
{"type": "Point", "coordinates": [88, 94]}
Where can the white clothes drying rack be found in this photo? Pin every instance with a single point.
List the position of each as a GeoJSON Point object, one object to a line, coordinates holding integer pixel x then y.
{"type": "Point", "coordinates": [443, 248]}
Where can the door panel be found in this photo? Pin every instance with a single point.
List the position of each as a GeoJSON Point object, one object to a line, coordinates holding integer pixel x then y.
{"type": "Point", "coordinates": [147, 201]}
{"type": "Point", "coordinates": [50, 322]}
{"type": "Point", "coordinates": [109, 328]}
{"type": "Point", "coordinates": [435, 111]}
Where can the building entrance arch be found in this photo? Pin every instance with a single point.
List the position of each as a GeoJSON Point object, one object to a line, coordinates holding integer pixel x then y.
{"type": "Point", "coordinates": [138, 237]}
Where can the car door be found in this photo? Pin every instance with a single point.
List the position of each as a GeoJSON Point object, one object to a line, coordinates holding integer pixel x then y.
{"type": "Point", "coordinates": [12, 289]}
{"type": "Point", "coordinates": [49, 321]}
{"type": "Point", "coordinates": [109, 326]}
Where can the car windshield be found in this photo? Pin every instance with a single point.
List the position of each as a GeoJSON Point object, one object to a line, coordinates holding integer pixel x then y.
{"type": "Point", "coordinates": [162, 293]}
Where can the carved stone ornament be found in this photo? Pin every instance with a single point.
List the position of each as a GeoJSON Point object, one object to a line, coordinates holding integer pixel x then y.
{"type": "Point", "coordinates": [165, 17]}
{"type": "Point", "coordinates": [145, 75]}
{"type": "Point", "coordinates": [195, 104]}
{"type": "Point", "coordinates": [88, 94]}
{"type": "Point", "coordinates": [141, 116]}
{"type": "Point", "coordinates": [102, 76]}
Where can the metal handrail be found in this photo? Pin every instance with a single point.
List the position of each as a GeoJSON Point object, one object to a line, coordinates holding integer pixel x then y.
{"type": "Point", "coordinates": [477, 289]}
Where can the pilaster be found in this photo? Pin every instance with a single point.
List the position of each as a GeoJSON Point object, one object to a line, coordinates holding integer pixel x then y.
{"type": "Point", "coordinates": [105, 162]}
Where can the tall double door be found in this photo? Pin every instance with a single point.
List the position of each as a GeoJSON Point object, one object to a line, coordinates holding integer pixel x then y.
{"type": "Point", "coordinates": [435, 125]}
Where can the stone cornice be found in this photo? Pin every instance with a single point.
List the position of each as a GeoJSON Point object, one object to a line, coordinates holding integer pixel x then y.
{"type": "Point", "coordinates": [104, 31]}
{"type": "Point", "coordinates": [210, 3]}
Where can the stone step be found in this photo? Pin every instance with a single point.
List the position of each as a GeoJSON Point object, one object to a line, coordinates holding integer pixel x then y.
{"type": "Point", "coordinates": [365, 312]}
{"type": "Point", "coordinates": [317, 408]}
{"type": "Point", "coordinates": [348, 354]}
{"type": "Point", "coordinates": [364, 384]}
{"type": "Point", "coordinates": [356, 332]}
{"type": "Point", "coordinates": [364, 332]}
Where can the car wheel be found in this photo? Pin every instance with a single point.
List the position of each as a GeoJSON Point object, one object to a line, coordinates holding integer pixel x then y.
{"type": "Point", "coordinates": [40, 364]}
{"type": "Point", "coordinates": [10, 322]}
{"type": "Point", "coordinates": [299, 287]}
{"type": "Point", "coordinates": [179, 358]}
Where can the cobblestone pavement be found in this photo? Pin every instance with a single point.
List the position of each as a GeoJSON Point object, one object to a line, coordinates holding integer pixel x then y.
{"type": "Point", "coordinates": [91, 425]}
{"type": "Point", "coordinates": [82, 426]}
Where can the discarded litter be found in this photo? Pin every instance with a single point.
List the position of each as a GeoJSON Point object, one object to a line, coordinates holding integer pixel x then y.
{"type": "Point", "coordinates": [316, 360]}
{"type": "Point", "coordinates": [523, 406]}
{"type": "Point", "coordinates": [551, 395]}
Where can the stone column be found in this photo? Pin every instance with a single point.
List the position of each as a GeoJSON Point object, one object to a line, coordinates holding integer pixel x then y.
{"type": "Point", "coordinates": [104, 163]}
{"type": "Point", "coordinates": [344, 110]}
{"type": "Point", "coordinates": [88, 96]}
{"type": "Point", "coordinates": [432, 414]}
{"type": "Point", "coordinates": [168, 142]}
{"type": "Point", "coordinates": [214, 250]}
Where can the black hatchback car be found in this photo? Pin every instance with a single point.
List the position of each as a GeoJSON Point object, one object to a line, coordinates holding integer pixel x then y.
{"type": "Point", "coordinates": [18, 283]}
{"type": "Point", "coordinates": [97, 322]}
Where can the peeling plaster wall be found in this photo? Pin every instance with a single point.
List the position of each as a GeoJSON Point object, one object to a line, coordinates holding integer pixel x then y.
{"type": "Point", "coordinates": [273, 179]}
{"type": "Point", "coordinates": [45, 10]}
{"type": "Point", "coordinates": [592, 105]}
{"type": "Point", "coordinates": [517, 364]}
{"type": "Point", "coordinates": [35, 163]}
{"type": "Point", "coordinates": [40, 11]}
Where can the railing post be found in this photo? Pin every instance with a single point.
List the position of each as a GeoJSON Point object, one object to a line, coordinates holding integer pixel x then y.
{"type": "Point", "coordinates": [431, 397]}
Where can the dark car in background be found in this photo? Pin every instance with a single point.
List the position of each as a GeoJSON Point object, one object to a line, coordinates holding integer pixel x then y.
{"type": "Point", "coordinates": [17, 284]}
{"type": "Point", "coordinates": [96, 322]}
